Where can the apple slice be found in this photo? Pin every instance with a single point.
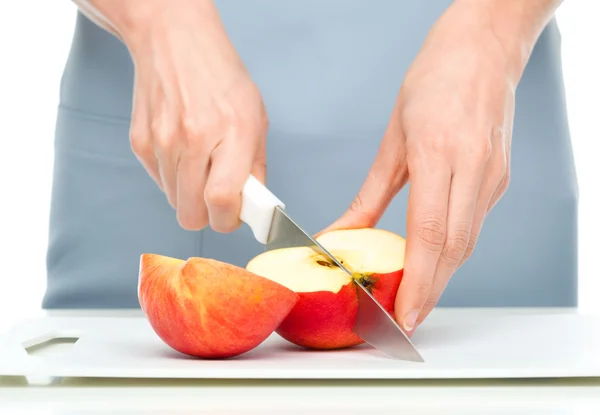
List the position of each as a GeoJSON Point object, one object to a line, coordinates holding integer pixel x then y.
{"type": "Point", "coordinates": [324, 316]}
{"type": "Point", "coordinates": [207, 308]}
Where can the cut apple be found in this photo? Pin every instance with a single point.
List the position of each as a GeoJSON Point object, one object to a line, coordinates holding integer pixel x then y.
{"type": "Point", "coordinates": [324, 316]}
{"type": "Point", "coordinates": [210, 309]}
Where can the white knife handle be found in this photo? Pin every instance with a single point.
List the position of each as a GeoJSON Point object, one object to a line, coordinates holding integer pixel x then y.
{"type": "Point", "coordinates": [258, 206]}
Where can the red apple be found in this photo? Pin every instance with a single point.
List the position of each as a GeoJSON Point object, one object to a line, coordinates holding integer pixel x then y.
{"type": "Point", "coordinates": [207, 308]}
{"type": "Point", "coordinates": [324, 316]}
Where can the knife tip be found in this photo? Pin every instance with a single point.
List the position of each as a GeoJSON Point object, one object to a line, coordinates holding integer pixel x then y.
{"type": "Point", "coordinates": [413, 357]}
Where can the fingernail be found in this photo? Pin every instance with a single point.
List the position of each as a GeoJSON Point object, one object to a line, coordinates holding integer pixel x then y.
{"type": "Point", "coordinates": [410, 320]}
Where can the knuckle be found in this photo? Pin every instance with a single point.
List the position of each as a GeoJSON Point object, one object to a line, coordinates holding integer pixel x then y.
{"type": "Point", "coordinates": [361, 211]}
{"type": "Point", "coordinates": [431, 232]}
{"type": "Point", "coordinates": [470, 247]}
{"type": "Point", "coordinates": [139, 140]}
{"type": "Point", "coordinates": [435, 145]}
{"type": "Point", "coordinates": [439, 143]}
{"type": "Point", "coordinates": [456, 246]}
{"type": "Point", "coordinates": [483, 151]}
{"type": "Point", "coordinates": [220, 196]}
{"type": "Point", "coordinates": [497, 133]}
{"type": "Point", "coordinates": [422, 288]}
{"type": "Point", "coordinates": [229, 115]}
{"type": "Point", "coordinates": [357, 204]}
{"type": "Point", "coordinates": [164, 134]}
{"type": "Point", "coordinates": [198, 126]}
{"type": "Point", "coordinates": [505, 182]}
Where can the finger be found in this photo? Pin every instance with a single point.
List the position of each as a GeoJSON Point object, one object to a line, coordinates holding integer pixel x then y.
{"type": "Point", "coordinates": [478, 219]}
{"type": "Point", "coordinates": [426, 235]}
{"type": "Point", "coordinates": [230, 167]}
{"type": "Point", "coordinates": [503, 185]}
{"type": "Point", "coordinates": [166, 153]}
{"type": "Point", "coordinates": [143, 149]}
{"type": "Point", "coordinates": [489, 189]}
{"type": "Point", "coordinates": [500, 190]}
{"type": "Point", "coordinates": [166, 138]}
{"type": "Point", "coordinates": [385, 178]}
{"type": "Point", "coordinates": [464, 196]}
{"type": "Point", "coordinates": [259, 166]}
{"type": "Point", "coordinates": [192, 213]}
{"type": "Point", "coordinates": [140, 135]}
{"type": "Point", "coordinates": [502, 139]}
{"type": "Point", "coordinates": [487, 177]}
{"type": "Point", "coordinates": [166, 135]}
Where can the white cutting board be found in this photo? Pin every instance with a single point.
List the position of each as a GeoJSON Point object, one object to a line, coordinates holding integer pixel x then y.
{"type": "Point", "coordinates": [454, 345]}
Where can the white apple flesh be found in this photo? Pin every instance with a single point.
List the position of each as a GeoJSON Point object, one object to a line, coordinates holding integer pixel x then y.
{"type": "Point", "coordinates": [325, 313]}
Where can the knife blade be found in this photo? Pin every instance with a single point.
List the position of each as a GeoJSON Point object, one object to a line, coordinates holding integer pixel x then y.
{"type": "Point", "coordinates": [274, 228]}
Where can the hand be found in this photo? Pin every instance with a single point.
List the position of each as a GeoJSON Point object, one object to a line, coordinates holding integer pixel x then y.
{"type": "Point", "coordinates": [450, 135]}
{"type": "Point", "coordinates": [198, 123]}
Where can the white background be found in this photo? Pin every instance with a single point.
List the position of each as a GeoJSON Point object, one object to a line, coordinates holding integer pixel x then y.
{"type": "Point", "coordinates": [35, 38]}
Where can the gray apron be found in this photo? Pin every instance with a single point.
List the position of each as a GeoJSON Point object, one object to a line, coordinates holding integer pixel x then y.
{"type": "Point", "coordinates": [329, 72]}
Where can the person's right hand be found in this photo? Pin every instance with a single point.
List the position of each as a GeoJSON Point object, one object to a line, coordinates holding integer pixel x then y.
{"type": "Point", "coordinates": [198, 123]}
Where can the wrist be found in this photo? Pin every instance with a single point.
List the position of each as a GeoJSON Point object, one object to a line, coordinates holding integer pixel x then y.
{"type": "Point", "coordinates": [513, 25]}
{"type": "Point", "coordinates": [135, 22]}
{"type": "Point", "coordinates": [125, 17]}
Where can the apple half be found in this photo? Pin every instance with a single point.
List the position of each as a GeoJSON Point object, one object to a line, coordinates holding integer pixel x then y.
{"type": "Point", "coordinates": [325, 313]}
{"type": "Point", "coordinates": [210, 309]}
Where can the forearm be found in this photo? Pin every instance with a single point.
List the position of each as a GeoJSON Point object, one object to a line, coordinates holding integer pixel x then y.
{"type": "Point", "coordinates": [90, 9]}
{"type": "Point", "coordinates": [515, 24]}
{"type": "Point", "coordinates": [130, 20]}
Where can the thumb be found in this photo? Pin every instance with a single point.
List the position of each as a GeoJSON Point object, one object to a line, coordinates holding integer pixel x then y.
{"type": "Point", "coordinates": [386, 177]}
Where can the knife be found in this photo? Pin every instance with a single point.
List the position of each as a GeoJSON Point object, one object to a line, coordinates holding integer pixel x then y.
{"type": "Point", "coordinates": [274, 228]}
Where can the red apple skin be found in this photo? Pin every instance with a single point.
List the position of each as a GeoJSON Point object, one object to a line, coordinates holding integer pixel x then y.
{"type": "Point", "coordinates": [209, 309]}
{"type": "Point", "coordinates": [386, 289]}
{"type": "Point", "coordinates": [324, 320]}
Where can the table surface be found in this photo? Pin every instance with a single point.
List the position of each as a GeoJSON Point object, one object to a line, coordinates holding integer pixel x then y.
{"type": "Point", "coordinates": [130, 396]}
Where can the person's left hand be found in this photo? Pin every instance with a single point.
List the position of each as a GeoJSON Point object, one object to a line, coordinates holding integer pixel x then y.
{"type": "Point", "coordinates": [450, 135]}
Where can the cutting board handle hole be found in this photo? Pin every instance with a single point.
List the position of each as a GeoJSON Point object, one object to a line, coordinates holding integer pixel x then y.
{"type": "Point", "coordinates": [52, 346]}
